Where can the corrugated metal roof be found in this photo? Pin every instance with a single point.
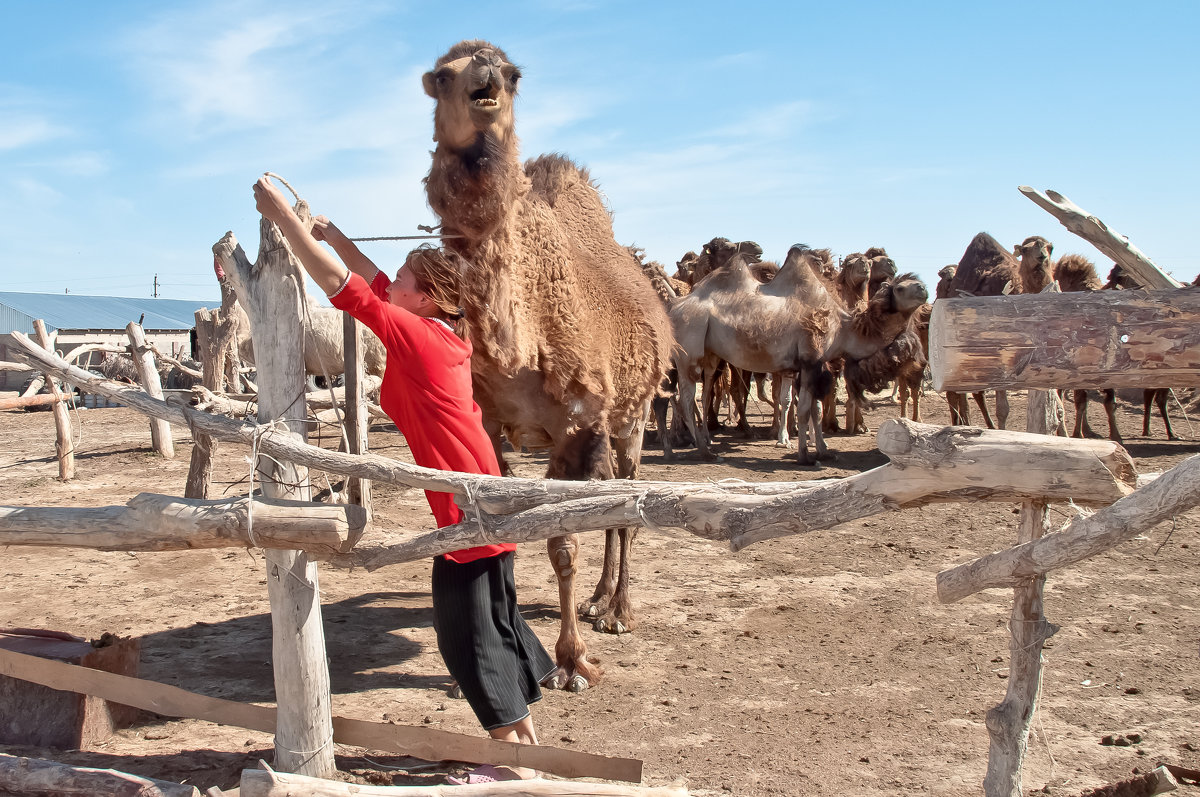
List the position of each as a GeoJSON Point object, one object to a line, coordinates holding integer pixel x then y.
{"type": "Point", "coordinates": [18, 311]}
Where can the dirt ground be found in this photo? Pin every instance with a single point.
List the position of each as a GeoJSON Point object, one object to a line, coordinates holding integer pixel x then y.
{"type": "Point", "coordinates": [815, 664]}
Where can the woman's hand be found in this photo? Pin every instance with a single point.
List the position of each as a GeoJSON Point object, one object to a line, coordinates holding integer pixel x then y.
{"type": "Point", "coordinates": [325, 230]}
{"type": "Point", "coordinates": [271, 202]}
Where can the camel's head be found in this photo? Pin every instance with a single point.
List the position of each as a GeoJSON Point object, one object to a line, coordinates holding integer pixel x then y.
{"type": "Point", "coordinates": [945, 277]}
{"type": "Point", "coordinates": [1034, 253]}
{"type": "Point", "coordinates": [474, 85]}
{"type": "Point", "coordinates": [685, 266]}
{"type": "Point", "coordinates": [902, 294]}
{"type": "Point", "coordinates": [856, 270]}
{"type": "Point", "coordinates": [1119, 279]}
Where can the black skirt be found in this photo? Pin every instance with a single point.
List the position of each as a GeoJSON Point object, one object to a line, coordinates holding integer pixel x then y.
{"type": "Point", "coordinates": [488, 648]}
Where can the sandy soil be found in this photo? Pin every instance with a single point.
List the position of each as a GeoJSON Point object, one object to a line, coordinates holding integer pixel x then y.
{"type": "Point", "coordinates": [811, 665]}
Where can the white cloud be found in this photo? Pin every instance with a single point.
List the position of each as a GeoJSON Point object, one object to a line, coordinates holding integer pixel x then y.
{"type": "Point", "coordinates": [23, 130]}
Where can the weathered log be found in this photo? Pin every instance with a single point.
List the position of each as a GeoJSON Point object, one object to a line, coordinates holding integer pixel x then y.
{"type": "Point", "coordinates": [1008, 723]}
{"type": "Point", "coordinates": [1170, 494]}
{"type": "Point", "coordinates": [212, 366]}
{"type": "Point", "coordinates": [264, 783]}
{"type": "Point", "coordinates": [1098, 234]}
{"type": "Point", "coordinates": [151, 522]}
{"type": "Point", "coordinates": [40, 400]}
{"type": "Point", "coordinates": [272, 293]}
{"type": "Point", "coordinates": [7, 366]}
{"type": "Point", "coordinates": [246, 405]}
{"type": "Point", "coordinates": [143, 359]}
{"type": "Point", "coordinates": [430, 744]}
{"type": "Point", "coordinates": [38, 776]}
{"type": "Point", "coordinates": [1096, 340]}
{"type": "Point", "coordinates": [64, 445]}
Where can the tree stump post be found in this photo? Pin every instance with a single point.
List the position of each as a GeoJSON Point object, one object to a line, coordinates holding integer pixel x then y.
{"type": "Point", "coordinates": [1008, 723]}
{"type": "Point", "coordinates": [212, 366]}
{"type": "Point", "coordinates": [64, 448]}
{"type": "Point", "coordinates": [272, 293]}
{"type": "Point", "coordinates": [359, 490]}
{"type": "Point", "coordinates": [143, 359]}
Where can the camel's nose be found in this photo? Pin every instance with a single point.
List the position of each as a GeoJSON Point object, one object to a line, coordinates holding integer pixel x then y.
{"type": "Point", "coordinates": [487, 65]}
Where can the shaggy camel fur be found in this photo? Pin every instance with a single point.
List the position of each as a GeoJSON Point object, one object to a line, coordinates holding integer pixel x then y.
{"type": "Point", "coordinates": [903, 360]}
{"type": "Point", "coordinates": [986, 269]}
{"type": "Point", "coordinates": [792, 323]}
{"type": "Point", "coordinates": [570, 341]}
{"type": "Point", "coordinates": [945, 277]}
{"type": "Point", "coordinates": [324, 341]}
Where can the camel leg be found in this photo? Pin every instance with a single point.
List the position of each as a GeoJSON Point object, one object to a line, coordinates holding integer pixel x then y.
{"type": "Point", "coordinates": [1082, 427]}
{"type": "Point", "coordinates": [584, 454]}
{"type": "Point", "coordinates": [687, 403]}
{"type": "Point", "coordinates": [739, 392]}
{"type": "Point", "coordinates": [1147, 401]}
{"type": "Point", "coordinates": [981, 402]}
{"type": "Point", "coordinates": [613, 589]}
{"type": "Point", "coordinates": [1160, 399]}
{"type": "Point", "coordinates": [959, 414]}
{"type": "Point", "coordinates": [915, 393]}
{"type": "Point", "coordinates": [783, 402]}
{"type": "Point", "coordinates": [1001, 409]}
{"type": "Point", "coordinates": [1110, 409]}
{"type": "Point", "coordinates": [808, 417]}
{"type": "Point", "coordinates": [829, 422]}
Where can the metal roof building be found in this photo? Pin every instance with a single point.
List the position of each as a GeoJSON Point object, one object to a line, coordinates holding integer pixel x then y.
{"type": "Point", "coordinates": [71, 311]}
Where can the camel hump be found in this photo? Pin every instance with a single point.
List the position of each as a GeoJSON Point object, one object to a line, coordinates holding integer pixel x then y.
{"type": "Point", "coordinates": [801, 272]}
{"type": "Point", "coordinates": [985, 269]}
{"type": "Point", "coordinates": [555, 176]}
{"type": "Point", "coordinates": [1077, 273]}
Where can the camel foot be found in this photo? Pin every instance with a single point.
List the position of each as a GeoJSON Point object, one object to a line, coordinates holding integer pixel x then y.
{"type": "Point", "coordinates": [455, 691]}
{"type": "Point", "coordinates": [590, 610]}
{"type": "Point", "coordinates": [613, 623]}
{"type": "Point", "coordinates": [559, 679]}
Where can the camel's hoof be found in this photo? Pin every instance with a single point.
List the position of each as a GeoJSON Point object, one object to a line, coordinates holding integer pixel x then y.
{"type": "Point", "coordinates": [577, 684]}
{"type": "Point", "coordinates": [608, 625]}
{"type": "Point", "coordinates": [558, 680]}
{"type": "Point", "coordinates": [783, 444]}
{"type": "Point", "coordinates": [455, 692]}
{"type": "Point", "coordinates": [589, 610]}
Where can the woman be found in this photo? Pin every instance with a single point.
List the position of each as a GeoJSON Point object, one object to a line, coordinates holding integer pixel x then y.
{"type": "Point", "coordinates": [488, 648]}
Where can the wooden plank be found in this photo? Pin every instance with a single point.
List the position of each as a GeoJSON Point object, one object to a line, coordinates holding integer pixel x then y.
{"type": "Point", "coordinates": [1103, 339]}
{"type": "Point", "coordinates": [426, 743]}
{"type": "Point", "coordinates": [264, 783]}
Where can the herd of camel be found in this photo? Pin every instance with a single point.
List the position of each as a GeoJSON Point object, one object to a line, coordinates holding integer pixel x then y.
{"type": "Point", "coordinates": [575, 336]}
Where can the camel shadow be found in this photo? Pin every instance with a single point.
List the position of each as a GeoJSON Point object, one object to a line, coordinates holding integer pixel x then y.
{"type": "Point", "coordinates": [1149, 449]}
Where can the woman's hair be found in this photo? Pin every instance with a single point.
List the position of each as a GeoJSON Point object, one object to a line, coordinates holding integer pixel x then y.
{"type": "Point", "coordinates": [438, 274]}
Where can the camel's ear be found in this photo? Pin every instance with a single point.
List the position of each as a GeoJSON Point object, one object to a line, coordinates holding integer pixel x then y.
{"type": "Point", "coordinates": [1017, 251]}
{"type": "Point", "coordinates": [430, 84]}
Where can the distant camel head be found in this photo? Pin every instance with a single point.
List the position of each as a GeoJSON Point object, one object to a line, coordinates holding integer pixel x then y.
{"type": "Point", "coordinates": [685, 266]}
{"type": "Point", "coordinates": [945, 277]}
{"type": "Point", "coordinates": [856, 270]}
{"type": "Point", "coordinates": [1037, 270]}
{"type": "Point", "coordinates": [474, 85]}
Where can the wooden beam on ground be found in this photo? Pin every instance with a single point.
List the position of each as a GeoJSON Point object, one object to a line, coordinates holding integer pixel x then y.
{"type": "Point", "coordinates": [151, 522]}
{"type": "Point", "coordinates": [272, 293]}
{"type": "Point", "coordinates": [143, 359]}
{"type": "Point", "coordinates": [1097, 233]}
{"type": "Point", "coordinates": [1171, 494]}
{"type": "Point", "coordinates": [264, 783]}
{"type": "Point", "coordinates": [1085, 340]}
{"type": "Point", "coordinates": [64, 445]}
{"type": "Point", "coordinates": [429, 744]}
{"type": "Point", "coordinates": [38, 776]}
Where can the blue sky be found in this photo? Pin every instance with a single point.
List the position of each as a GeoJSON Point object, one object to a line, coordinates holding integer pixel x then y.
{"type": "Point", "coordinates": [131, 132]}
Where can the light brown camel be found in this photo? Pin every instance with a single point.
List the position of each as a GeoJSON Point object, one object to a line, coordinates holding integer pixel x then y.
{"type": "Point", "coordinates": [792, 323]}
{"type": "Point", "coordinates": [851, 287]}
{"type": "Point", "coordinates": [945, 277]}
{"type": "Point", "coordinates": [570, 341]}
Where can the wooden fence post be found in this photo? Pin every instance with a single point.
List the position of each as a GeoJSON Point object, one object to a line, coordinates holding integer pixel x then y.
{"type": "Point", "coordinates": [63, 446]}
{"type": "Point", "coordinates": [272, 293]}
{"type": "Point", "coordinates": [143, 359]}
{"type": "Point", "coordinates": [359, 490]}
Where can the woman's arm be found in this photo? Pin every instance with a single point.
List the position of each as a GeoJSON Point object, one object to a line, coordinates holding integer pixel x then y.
{"type": "Point", "coordinates": [320, 264]}
{"type": "Point", "coordinates": [325, 230]}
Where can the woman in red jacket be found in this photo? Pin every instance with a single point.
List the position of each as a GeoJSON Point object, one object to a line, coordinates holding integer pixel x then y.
{"type": "Point", "coordinates": [486, 644]}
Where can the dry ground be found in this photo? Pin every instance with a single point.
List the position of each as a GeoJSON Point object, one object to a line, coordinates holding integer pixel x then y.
{"type": "Point", "coordinates": [810, 665]}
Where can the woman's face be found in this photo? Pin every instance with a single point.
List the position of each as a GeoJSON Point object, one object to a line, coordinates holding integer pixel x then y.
{"type": "Point", "coordinates": [403, 292]}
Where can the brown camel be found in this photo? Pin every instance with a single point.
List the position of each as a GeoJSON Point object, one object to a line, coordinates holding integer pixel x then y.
{"type": "Point", "coordinates": [945, 277]}
{"type": "Point", "coordinates": [792, 323]}
{"type": "Point", "coordinates": [986, 269]}
{"type": "Point", "coordinates": [570, 341]}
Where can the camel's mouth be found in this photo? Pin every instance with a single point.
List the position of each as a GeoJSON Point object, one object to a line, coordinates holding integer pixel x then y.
{"type": "Point", "coordinates": [483, 100]}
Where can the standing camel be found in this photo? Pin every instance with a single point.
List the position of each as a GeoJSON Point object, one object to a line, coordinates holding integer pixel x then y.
{"type": "Point", "coordinates": [570, 340]}
{"type": "Point", "coordinates": [792, 323]}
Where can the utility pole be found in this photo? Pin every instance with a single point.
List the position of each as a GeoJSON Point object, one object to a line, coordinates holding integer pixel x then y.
{"type": "Point", "coordinates": [155, 286]}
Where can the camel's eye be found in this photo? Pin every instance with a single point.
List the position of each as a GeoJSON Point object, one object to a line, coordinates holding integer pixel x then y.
{"type": "Point", "coordinates": [444, 78]}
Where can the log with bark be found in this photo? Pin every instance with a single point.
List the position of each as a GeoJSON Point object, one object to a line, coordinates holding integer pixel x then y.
{"type": "Point", "coordinates": [1098, 234]}
{"type": "Point", "coordinates": [1084, 340]}
{"type": "Point", "coordinates": [152, 522]}
{"type": "Point", "coordinates": [36, 776]}
{"type": "Point", "coordinates": [28, 402]}
{"type": "Point", "coordinates": [143, 359]}
{"type": "Point", "coordinates": [64, 445]}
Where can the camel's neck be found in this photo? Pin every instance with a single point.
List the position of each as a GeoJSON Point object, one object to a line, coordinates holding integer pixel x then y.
{"type": "Point", "coordinates": [473, 190]}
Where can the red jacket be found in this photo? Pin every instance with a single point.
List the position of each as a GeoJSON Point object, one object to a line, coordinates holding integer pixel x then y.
{"type": "Point", "coordinates": [427, 393]}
